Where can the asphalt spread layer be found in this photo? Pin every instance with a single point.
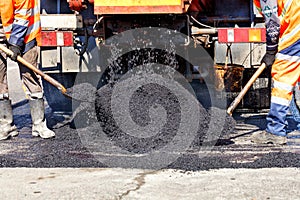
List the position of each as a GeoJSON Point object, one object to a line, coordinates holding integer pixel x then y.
{"type": "Point", "coordinates": [68, 150]}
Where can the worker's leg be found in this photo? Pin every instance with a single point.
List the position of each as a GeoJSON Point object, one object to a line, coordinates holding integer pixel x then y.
{"type": "Point", "coordinates": [6, 115]}
{"type": "Point", "coordinates": [3, 76]}
{"type": "Point", "coordinates": [34, 91]}
{"type": "Point", "coordinates": [31, 82]}
{"type": "Point", "coordinates": [285, 75]}
{"type": "Point", "coordinates": [295, 105]}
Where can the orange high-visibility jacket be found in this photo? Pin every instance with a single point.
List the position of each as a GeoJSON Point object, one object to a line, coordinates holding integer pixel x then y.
{"type": "Point", "coordinates": [21, 21]}
{"type": "Point", "coordinates": [288, 13]}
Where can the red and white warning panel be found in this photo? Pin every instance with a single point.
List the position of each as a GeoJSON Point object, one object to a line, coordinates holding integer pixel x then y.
{"type": "Point", "coordinates": [56, 38]}
{"type": "Point", "coordinates": [241, 35]}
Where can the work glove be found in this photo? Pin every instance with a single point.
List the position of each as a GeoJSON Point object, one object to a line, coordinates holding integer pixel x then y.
{"type": "Point", "coordinates": [16, 51]}
{"type": "Point", "coordinates": [269, 58]}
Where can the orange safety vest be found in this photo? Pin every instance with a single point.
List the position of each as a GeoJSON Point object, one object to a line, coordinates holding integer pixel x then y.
{"type": "Point", "coordinates": [288, 12]}
{"type": "Point", "coordinates": [21, 21]}
{"type": "Point", "coordinates": [286, 70]}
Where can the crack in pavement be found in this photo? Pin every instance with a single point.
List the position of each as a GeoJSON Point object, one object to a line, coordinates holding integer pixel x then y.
{"type": "Point", "coordinates": [139, 181]}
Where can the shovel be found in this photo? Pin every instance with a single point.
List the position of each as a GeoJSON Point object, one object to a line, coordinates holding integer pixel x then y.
{"type": "Point", "coordinates": [237, 100]}
{"type": "Point", "coordinates": [37, 71]}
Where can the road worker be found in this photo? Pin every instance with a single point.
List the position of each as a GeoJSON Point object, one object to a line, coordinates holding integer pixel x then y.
{"type": "Point", "coordinates": [20, 32]}
{"type": "Point", "coordinates": [282, 20]}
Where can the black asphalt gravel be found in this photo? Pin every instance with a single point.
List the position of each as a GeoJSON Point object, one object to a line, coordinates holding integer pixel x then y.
{"type": "Point", "coordinates": [68, 150]}
{"type": "Point", "coordinates": [141, 102]}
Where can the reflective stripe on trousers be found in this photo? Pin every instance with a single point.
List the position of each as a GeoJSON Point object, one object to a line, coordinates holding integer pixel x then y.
{"type": "Point", "coordinates": [285, 75]}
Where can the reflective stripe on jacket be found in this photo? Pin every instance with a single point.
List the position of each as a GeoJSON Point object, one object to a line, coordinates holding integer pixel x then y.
{"type": "Point", "coordinates": [289, 15]}
{"type": "Point", "coordinates": [21, 21]}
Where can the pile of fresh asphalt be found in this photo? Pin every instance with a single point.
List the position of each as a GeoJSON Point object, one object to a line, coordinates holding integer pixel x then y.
{"type": "Point", "coordinates": [141, 102]}
{"type": "Point", "coordinates": [68, 150]}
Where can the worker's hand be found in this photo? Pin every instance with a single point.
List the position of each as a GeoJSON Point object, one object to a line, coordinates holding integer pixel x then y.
{"type": "Point", "coordinates": [16, 52]}
{"type": "Point", "coordinates": [269, 58]}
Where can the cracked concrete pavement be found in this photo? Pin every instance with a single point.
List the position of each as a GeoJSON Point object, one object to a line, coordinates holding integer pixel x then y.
{"type": "Point", "coordinates": [116, 183]}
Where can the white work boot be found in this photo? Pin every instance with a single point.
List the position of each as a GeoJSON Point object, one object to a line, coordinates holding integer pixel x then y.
{"type": "Point", "coordinates": [39, 125]}
{"type": "Point", "coordinates": [7, 128]}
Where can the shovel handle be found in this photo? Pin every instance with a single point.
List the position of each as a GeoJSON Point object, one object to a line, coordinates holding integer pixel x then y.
{"type": "Point", "coordinates": [36, 70]}
{"type": "Point", "coordinates": [237, 100]}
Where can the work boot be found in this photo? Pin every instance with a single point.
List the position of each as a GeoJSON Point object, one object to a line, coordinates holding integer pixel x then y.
{"type": "Point", "coordinates": [264, 137]}
{"type": "Point", "coordinates": [39, 124]}
{"type": "Point", "coordinates": [7, 128]}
